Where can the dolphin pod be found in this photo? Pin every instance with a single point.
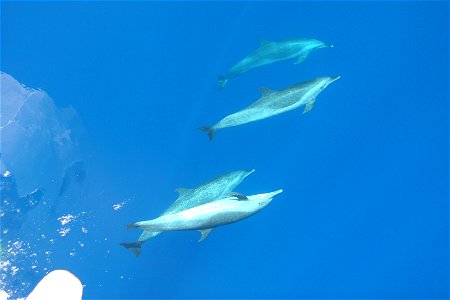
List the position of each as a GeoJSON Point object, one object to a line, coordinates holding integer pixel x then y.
{"type": "Point", "coordinates": [214, 189]}
{"type": "Point", "coordinates": [270, 52]}
{"type": "Point", "coordinates": [273, 103]}
{"type": "Point", "coordinates": [206, 217]}
{"type": "Point", "coordinates": [213, 203]}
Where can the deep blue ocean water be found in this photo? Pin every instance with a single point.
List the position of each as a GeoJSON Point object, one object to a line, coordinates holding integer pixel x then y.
{"type": "Point", "coordinates": [365, 208]}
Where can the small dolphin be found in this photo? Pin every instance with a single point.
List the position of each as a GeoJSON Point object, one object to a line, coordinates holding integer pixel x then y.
{"type": "Point", "coordinates": [206, 217]}
{"type": "Point", "coordinates": [209, 191]}
{"type": "Point", "coordinates": [273, 103]}
{"type": "Point", "coordinates": [270, 52]}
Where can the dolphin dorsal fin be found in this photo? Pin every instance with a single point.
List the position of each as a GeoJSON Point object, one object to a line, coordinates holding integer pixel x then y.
{"type": "Point", "coordinates": [205, 233]}
{"type": "Point", "coordinates": [263, 42]}
{"type": "Point", "coordinates": [181, 191]}
{"type": "Point", "coordinates": [239, 196]}
{"type": "Point", "coordinates": [266, 91]}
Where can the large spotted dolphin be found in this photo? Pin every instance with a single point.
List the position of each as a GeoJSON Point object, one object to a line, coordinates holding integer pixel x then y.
{"type": "Point", "coordinates": [270, 52]}
{"type": "Point", "coordinates": [215, 189]}
{"type": "Point", "coordinates": [273, 103]}
{"type": "Point", "coordinates": [206, 217]}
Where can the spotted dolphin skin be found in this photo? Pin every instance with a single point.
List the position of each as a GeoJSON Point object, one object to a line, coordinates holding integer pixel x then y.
{"type": "Point", "coordinates": [209, 191]}
{"type": "Point", "coordinates": [273, 103]}
{"type": "Point", "coordinates": [206, 217]}
{"type": "Point", "coordinates": [270, 52]}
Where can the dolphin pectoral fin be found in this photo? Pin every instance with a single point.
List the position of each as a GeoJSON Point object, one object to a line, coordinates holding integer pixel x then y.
{"type": "Point", "coordinates": [309, 105]}
{"type": "Point", "coordinates": [205, 233]}
{"type": "Point", "coordinates": [222, 80]}
{"type": "Point", "coordinates": [238, 195]}
{"type": "Point", "coordinates": [266, 91]}
{"type": "Point", "coordinates": [182, 191]}
{"type": "Point", "coordinates": [301, 59]}
{"type": "Point", "coordinates": [210, 131]}
{"type": "Point", "coordinates": [131, 226]}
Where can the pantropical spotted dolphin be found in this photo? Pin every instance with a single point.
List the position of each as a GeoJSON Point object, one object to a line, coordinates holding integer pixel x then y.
{"type": "Point", "coordinates": [273, 103]}
{"type": "Point", "coordinates": [270, 52]}
{"type": "Point", "coordinates": [206, 217]}
{"type": "Point", "coordinates": [213, 190]}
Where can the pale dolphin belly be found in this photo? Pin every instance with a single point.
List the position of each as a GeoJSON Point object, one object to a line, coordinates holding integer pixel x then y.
{"type": "Point", "coordinates": [185, 221]}
{"type": "Point", "coordinates": [244, 117]}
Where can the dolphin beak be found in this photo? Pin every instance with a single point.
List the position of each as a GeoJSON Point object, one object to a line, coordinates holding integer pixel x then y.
{"type": "Point", "coordinates": [273, 194]}
{"type": "Point", "coordinates": [249, 172]}
{"type": "Point", "coordinates": [333, 79]}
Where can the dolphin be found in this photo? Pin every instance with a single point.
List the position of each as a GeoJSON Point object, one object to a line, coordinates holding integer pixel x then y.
{"type": "Point", "coordinates": [273, 103]}
{"type": "Point", "coordinates": [212, 190]}
{"type": "Point", "coordinates": [206, 217]}
{"type": "Point", "coordinates": [270, 52]}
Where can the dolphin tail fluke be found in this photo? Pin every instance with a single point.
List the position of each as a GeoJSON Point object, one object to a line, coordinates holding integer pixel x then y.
{"type": "Point", "coordinates": [210, 131]}
{"type": "Point", "coordinates": [222, 82]}
{"type": "Point", "coordinates": [133, 247]}
{"type": "Point", "coordinates": [131, 226]}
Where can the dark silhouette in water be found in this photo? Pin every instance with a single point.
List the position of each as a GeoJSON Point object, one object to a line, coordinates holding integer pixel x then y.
{"type": "Point", "coordinates": [74, 173]}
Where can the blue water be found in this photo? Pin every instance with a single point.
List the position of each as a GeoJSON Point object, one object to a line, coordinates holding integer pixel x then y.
{"type": "Point", "coordinates": [364, 213]}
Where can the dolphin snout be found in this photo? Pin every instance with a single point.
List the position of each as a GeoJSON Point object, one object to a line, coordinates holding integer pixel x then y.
{"type": "Point", "coordinates": [273, 194]}
{"type": "Point", "coordinates": [249, 172]}
{"type": "Point", "coordinates": [333, 79]}
{"type": "Point", "coordinates": [324, 45]}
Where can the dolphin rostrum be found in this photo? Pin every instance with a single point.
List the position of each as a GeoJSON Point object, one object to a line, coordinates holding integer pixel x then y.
{"type": "Point", "coordinates": [273, 103]}
{"type": "Point", "coordinates": [214, 189]}
{"type": "Point", "coordinates": [270, 52]}
{"type": "Point", "coordinates": [206, 217]}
